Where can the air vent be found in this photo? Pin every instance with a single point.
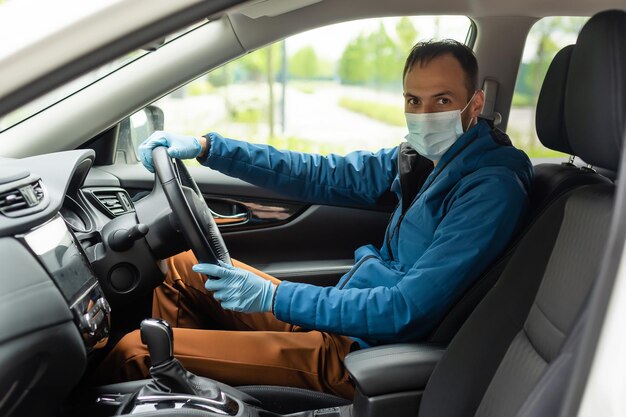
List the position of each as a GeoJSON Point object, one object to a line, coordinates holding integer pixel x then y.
{"type": "Point", "coordinates": [115, 201]}
{"type": "Point", "coordinates": [22, 199]}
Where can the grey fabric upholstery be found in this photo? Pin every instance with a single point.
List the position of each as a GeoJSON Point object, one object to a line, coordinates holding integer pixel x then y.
{"type": "Point", "coordinates": [506, 346]}
{"type": "Point", "coordinates": [461, 378]}
{"type": "Point", "coordinates": [571, 271]}
{"type": "Point", "coordinates": [514, 352]}
{"type": "Point", "coordinates": [543, 400]}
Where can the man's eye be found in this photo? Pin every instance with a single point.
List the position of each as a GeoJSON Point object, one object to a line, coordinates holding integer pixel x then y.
{"type": "Point", "coordinates": [443, 100]}
{"type": "Point", "coordinates": [413, 101]}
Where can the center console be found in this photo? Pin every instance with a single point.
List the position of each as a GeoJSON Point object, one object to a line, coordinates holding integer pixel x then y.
{"type": "Point", "coordinates": [173, 391]}
{"type": "Point", "coordinates": [389, 381]}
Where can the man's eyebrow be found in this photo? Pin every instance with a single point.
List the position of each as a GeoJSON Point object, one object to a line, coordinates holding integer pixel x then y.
{"type": "Point", "coordinates": [444, 93]}
{"type": "Point", "coordinates": [440, 94]}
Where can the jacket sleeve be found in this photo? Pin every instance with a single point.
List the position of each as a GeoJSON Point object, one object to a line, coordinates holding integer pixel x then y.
{"type": "Point", "coordinates": [358, 178]}
{"type": "Point", "coordinates": [475, 229]}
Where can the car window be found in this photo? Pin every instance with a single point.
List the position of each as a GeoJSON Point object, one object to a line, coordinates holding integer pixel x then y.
{"type": "Point", "coordinates": [544, 40]}
{"type": "Point", "coordinates": [332, 89]}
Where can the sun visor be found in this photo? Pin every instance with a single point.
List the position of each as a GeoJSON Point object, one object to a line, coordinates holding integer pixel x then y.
{"type": "Point", "coordinates": [271, 8]}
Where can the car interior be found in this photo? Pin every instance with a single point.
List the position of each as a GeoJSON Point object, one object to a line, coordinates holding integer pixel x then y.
{"type": "Point", "coordinates": [84, 229]}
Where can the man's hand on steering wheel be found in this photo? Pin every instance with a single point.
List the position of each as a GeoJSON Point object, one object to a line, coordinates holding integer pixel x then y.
{"type": "Point", "coordinates": [238, 289]}
{"type": "Point", "coordinates": [191, 215]}
{"type": "Point", "coordinates": [178, 146]}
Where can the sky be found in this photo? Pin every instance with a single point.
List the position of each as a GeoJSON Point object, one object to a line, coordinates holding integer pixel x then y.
{"type": "Point", "coordinates": [330, 41]}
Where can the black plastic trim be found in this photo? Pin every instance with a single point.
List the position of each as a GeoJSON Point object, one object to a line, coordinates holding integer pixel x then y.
{"type": "Point", "coordinates": [393, 368]}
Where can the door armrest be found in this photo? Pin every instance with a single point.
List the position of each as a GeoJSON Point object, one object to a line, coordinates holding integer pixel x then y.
{"type": "Point", "coordinates": [393, 368]}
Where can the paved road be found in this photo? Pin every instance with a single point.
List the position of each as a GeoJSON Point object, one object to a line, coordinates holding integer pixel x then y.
{"type": "Point", "coordinates": [318, 116]}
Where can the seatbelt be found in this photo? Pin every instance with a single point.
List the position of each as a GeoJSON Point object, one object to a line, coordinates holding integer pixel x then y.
{"type": "Point", "coordinates": [413, 170]}
{"type": "Point", "coordinates": [490, 87]}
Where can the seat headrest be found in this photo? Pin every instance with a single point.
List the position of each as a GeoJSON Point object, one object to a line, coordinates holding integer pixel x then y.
{"type": "Point", "coordinates": [595, 94]}
{"type": "Point", "coordinates": [549, 120]}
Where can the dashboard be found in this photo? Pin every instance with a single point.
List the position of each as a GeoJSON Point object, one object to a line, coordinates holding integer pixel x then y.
{"type": "Point", "coordinates": [57, 250]}
{"type": "Point", "coordinates": [59, 275]}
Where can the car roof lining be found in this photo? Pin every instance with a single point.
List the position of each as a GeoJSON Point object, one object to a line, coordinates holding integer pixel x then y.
{"type": "Point", "coordinates": [71, 51]}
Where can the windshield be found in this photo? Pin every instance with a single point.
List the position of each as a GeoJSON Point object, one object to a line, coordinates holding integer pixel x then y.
{"type": "Point", "coordinates": [51, 15]}
{"type": "Point", "coordinates": [35, 106]}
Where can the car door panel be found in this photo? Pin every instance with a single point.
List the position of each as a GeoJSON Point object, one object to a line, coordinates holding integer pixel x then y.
{"type": "Point", "coordinates": [289, 239]}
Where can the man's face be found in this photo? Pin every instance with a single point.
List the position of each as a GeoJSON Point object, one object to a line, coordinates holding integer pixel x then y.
{"type": "Point", "coordinates": [440, 86]}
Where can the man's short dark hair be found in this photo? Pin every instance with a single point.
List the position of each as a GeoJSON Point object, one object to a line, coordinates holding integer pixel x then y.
{"type": "Point", "coordinates": [424, 52]}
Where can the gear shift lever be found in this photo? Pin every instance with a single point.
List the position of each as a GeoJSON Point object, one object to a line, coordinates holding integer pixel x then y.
{"type": "Point", "coordinates": [170, 379]}
{"type": "Point", "coordinates": [158, 336]}
{"type": "Point", "coordinates": [168, 375]}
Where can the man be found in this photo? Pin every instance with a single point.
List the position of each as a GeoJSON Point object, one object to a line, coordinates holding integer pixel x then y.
{"type": "Point", "coordinates": [462, 191]}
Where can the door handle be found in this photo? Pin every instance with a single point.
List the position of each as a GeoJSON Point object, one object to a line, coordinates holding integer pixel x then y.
{"type": "Point", "coordinates": [223, 219]}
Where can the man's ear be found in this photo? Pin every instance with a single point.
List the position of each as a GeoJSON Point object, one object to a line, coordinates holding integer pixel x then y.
{"type": "Point", "coordinates": [476, 107]}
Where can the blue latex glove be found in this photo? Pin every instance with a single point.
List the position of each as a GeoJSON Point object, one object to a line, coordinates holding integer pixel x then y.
{"type": "Point", "coordinates": [238, 289]}
{"type": "Point", "coordinates": [178, 146]}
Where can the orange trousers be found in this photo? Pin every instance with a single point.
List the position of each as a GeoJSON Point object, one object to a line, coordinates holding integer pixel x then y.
{"type": "Point", "coordinates": [234, 348]}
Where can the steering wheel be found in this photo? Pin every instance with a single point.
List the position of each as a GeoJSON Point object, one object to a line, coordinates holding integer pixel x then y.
{"type": "Point", "coordinates": [194, 217]}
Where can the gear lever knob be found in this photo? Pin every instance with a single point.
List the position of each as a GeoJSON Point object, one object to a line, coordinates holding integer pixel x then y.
{"type": "Point", "coordinates": [158, 336]}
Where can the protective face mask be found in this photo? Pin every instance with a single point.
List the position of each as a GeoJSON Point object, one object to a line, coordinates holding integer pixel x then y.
{"type": "Point", "coordinates": [432, 134]}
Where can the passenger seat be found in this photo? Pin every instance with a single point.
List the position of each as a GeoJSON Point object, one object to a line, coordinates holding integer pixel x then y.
{"type": "Point", "coordinates": [514, 354]}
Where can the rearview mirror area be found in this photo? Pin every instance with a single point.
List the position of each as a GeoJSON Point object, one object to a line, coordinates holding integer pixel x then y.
{"type": "Point", "coordinates": [135, 129]}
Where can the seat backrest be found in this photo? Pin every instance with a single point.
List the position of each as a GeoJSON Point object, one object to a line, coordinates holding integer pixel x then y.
{"type": "Point", "coordinates": [550, 181]}
{"type": "Point", "coordinates": [511, 356]}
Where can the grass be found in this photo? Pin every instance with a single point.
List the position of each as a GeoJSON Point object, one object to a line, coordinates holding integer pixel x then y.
{"type": "Point", "coordinates": [523, 100]}
{"type": "Point", "coordinates": [305, 145]}
{"type": "Point", "coordinates": [386, 113]}
{"type": "Point", "coordinates": [249, 115]}
{"type": "Point", "coordinates": [541, 152]}
{"type": "Point", "coordinates": [304, 88]}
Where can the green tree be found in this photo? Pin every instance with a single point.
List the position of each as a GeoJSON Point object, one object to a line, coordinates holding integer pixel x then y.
{"type": "Point", "coordinates": [304, 64]}
{"type": "Point", "coordinates": [376, 59]}
{"type": "Point", "coordinates": [382, 57]}
{"type": "Point", "coordinates": [545, 31]}
{"type": "Point", "coordinates": [262, 66]}
{"type": "Point", "coordinates": [407, 35]}
{"type": "Point", "coordinates": [353, 62]}
{"type": "Point", "coordinates": [256, 66]}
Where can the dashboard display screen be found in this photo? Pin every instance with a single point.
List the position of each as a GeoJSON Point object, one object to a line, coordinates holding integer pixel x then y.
{"type": "Point", "coordinates": [59, 253]}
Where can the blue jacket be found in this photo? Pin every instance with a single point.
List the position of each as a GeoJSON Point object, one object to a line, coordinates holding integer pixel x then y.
{"type": "Point", "coordinates": [463, 217]}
